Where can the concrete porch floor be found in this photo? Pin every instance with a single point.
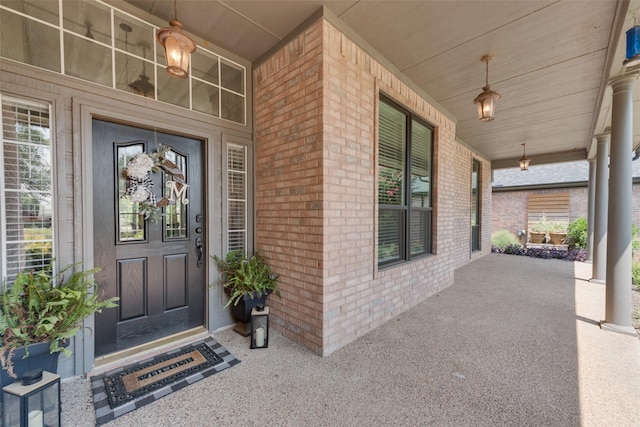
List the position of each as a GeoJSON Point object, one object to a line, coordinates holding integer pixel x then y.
{"type": "Point", "coordinates": [514, 341]}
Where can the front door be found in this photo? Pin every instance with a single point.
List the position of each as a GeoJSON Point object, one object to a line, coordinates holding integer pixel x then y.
{"type": "Point", "coordinates": [150, 257]}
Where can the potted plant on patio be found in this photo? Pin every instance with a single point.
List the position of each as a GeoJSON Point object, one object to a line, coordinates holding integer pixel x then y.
{"type": "Point", "coordinates": [248, 280]}
{"type": "Point", "coordinates": [39, 313]}
{"type": "Point", "coordinates": [557, 232]}
{"type": "Point", "coordinates": [539, 230]}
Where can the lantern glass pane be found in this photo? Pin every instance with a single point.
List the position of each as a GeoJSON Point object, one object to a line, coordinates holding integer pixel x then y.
{"type": "Point", "coordinates": [11, 410]}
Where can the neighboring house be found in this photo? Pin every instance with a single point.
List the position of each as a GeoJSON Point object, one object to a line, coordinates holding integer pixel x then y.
{"type": "Point", "coordinates": [276, 155]}
{"type": "Point", "coordinates": [512, 191]}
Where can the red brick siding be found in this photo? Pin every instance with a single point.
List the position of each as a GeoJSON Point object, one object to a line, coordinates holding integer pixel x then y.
{"type": "Point", "coordinates": [316, 104]}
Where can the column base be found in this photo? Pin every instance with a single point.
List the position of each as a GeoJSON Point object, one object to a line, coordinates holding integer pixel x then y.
{"type": "Point", "coordinates": [597, 281]}
{"type": "Point", "coordinates": [626, 330]}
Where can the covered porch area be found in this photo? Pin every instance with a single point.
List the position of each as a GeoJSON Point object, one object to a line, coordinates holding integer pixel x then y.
{"type": "Point", "coordinates": [514, 341]}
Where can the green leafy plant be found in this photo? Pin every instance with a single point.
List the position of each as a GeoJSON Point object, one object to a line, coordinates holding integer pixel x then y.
{"type": "Point", "coordinates": [501, 239]}
{"type": "Point", "coordinates": [42, 307]}
{"type": "Point", "coordinates": [541, 226]}
{"type": "Point", "coordinates": [635, 242]}
{"type": "Point", "coordinates": [577, 233]}
{"type": "Point", "coordinates": [243, 275]}
{"type": "Point", "coordinates": [635, 274]}
{"type": "Point", "coordinates": [557, 227]}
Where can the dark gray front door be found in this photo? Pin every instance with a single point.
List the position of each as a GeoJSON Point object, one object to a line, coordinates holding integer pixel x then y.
{"type": "Point", "coordinates": [154, 267]}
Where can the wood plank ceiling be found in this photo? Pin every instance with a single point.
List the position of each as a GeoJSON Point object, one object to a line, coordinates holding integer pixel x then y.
{"type": "Point", "coordinates": [553, 58]}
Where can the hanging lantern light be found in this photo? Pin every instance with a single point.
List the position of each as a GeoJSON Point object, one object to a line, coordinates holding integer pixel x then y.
{"type": "Point", "coordinates": [178, 46]}
{"type": "Point", "coordinates": [524, 161]}
{"type": "Point", "coordinates": [143, 86]}
{"type": "Point", "coordinates": [487, 99]}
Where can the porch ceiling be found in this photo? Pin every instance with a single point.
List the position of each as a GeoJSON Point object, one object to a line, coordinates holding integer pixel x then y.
{"type": "Point", "coordinates": [552, 58]}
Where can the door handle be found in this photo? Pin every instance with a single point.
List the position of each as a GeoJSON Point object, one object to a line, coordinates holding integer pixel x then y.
{"type": "Point", "coordinates": [199, 248]}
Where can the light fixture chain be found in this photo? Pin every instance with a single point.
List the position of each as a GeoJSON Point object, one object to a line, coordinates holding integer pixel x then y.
{"type": "Point", "coordinates": [175, 9]}
{"type": "Point", "coordinates": [487, 73]}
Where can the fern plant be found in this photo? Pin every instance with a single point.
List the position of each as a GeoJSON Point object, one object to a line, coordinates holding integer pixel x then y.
{"type": "Point", "coordinates": [42, 307]}
{"type": "Point", "coordinates": [243, 275]}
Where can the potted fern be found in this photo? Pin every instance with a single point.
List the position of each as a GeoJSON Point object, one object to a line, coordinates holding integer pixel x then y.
{"type": "Point", "coordinates": [39, 313]}
{"type": "Point", "coordinates": [247, 280]}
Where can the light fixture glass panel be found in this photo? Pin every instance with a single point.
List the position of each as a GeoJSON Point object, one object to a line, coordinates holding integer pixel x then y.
{"type": "Point", "coordinates": [44, 10]}
{"type": "Point", "coordinates": [172, 90]}
{"type": "Point", "coordinates": [204, 66]}
{"type": "Point", "coordinates": [90, 19]}
{"type": "Point", "coordinates": [232, 107]}
{"type": "Point", "coordinates": [29, 42]}
{"type": "Point", "coordinates": [139, 40]}
{"type": "Point", "coordinates": [232, 76]}
{"type": "Point", "coordinates": [205, 98]}
{"type": "Point", "coordinates": [128, 70]}
{"type": "Point", "coordinates": [87, 60]}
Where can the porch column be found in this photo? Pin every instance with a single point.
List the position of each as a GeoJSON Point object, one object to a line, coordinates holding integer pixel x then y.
{"type": "Point", "coordinates": [599, 267]}
{"type": "Point", "coordinates": [591, 208]}
{"type": "Point", "coordinates": [618, 281]}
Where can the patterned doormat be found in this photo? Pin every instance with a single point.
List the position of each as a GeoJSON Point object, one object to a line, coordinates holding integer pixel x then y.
{"type": "Point", "coordinates": [130, 387]}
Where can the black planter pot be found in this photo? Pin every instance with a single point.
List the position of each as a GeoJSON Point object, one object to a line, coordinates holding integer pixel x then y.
{"type": "Point", "coordinates": [242, 311]}
{"type": "Point", "coordinates": [39, 357]}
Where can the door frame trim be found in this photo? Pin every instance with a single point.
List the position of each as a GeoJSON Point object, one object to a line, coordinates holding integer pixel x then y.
{"type": "Point", "coordinates": [84, 110]}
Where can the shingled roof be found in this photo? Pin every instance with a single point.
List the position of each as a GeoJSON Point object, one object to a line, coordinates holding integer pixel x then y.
{"type": "Point", "coordinates": [570, 173]}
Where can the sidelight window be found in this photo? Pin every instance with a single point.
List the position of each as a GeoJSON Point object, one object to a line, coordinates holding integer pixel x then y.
{"type": "Point", "coordinates": [26, 187]}
{"type": "Point", "coordinates": [405, 153]}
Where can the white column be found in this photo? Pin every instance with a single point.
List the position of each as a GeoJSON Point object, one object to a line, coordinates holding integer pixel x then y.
{"type": "Point", "coordinates": [591, 210]}
{"type": "Point", "coordinates": [599, 267]}
{"type": "Point", "coordinates": [618, 280]}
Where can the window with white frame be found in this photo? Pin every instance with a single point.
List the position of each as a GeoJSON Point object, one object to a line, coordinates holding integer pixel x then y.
{"type": "Point", "coordinates": [405, 159]}
{"type": "Point", "coordinates": [237, 197]}
{"type": "Point", "coordinates": [94, 41]}
{"type": "Point", "coordinates": [26, 204]}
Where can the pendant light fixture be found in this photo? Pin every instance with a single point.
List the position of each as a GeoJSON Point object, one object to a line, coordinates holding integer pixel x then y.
{"type": "Point", "coordinates": [143, 86]}
{"type": "Point", "coordinates": [487, 99]}
{"type": "Point", "coordinates": [178, 46]}
{"type": "Point", "coordinates": [524, 161]}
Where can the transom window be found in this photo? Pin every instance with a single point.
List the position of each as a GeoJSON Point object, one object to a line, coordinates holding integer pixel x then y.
{"type": "Point", "coordinates": [405, 153]}
{"type": "Point", "coordinates": [93, 41]}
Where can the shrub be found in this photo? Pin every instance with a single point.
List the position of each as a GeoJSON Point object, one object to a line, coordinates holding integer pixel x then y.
{"type": "Point", "coordinates": [557, 227]}
{"type": "Point", "coordinates": [635, 242]}
{"type": "Point", "coordinates": [577, 233]}
{"type": "Point", "coordinates": [503, 238]}
{"type": "Point", "coordinates": [635, 274]}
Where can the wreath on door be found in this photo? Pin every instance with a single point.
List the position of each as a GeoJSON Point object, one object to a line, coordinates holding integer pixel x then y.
{"type": "Point", "coordinates": [140, 184]}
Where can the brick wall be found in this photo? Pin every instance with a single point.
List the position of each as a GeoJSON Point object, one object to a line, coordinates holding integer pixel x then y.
{"type": "Point", "coordinates": [509, 208]}
{"type": "Point", "coordinates": [316, 102]}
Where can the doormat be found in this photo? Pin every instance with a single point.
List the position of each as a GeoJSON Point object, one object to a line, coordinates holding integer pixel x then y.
{"type": "Point", "coordinates": [130, 387]}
